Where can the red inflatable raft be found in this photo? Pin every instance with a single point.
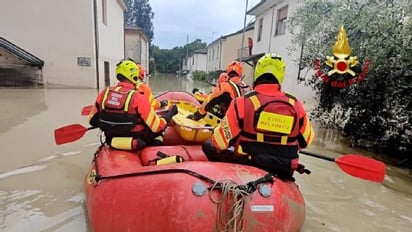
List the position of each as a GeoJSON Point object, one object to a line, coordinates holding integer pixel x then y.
{"type": "Point", "coordinates": [174, 188]}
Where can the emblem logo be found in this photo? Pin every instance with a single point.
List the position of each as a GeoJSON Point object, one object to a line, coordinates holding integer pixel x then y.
{"type": "Point", "coordinates": [341, 63]}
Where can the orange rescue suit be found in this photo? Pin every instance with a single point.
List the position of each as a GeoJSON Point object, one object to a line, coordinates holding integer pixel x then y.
{"type": "Point", "coordinates": [222, 95]}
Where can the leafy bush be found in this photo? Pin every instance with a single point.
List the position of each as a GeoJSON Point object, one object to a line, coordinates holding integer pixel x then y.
{"type": "Point", "coordinates": [379, 108]}
{"type": "Point", "coordinates": [199, 75]}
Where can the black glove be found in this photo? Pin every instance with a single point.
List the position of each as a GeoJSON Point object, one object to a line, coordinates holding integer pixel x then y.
{"type": "Point", "coordinates": [302, 170]}
{"type": "Point", "coordinates": [196, 116]}
{"type": "Point", "coordinates": [195, 90]}
{"type": "Point", "coordinates": [163, 103]}
{"type": "Point", "coordinates": [173, 111]}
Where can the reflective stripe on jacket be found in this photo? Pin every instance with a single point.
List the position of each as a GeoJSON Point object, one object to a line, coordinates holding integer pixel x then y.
{"type": "Point", "coordinates": [145, 90]}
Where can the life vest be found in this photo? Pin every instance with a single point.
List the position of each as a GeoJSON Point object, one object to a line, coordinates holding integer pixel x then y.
{"type": "Point", "coordinates": [273, 120]}
{"type": "Point", "coordinates": [219, 109]}
{"type": "Point", "coordinates": [243, 87]}
{"type": "Point", "coordinates": [115, 116]}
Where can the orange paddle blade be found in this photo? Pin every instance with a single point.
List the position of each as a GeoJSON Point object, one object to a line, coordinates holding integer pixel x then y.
{"type": "Point", "coordinates": [69, 133]}
{"type": "Point", "coordinates": [362, 167]}
{"type": "Point", "coordinates": [356, 165]}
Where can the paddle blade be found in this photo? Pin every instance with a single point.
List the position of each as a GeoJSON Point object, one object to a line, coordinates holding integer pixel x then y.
{"type": "Point", "coordinates": [86, 110]}
{"type": "Point", "coordinates": [69, 133]}
{"type": "Point", "coordinates": [362, 167]}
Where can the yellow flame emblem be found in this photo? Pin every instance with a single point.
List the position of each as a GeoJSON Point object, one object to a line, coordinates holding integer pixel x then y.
{"type": "Point", "coordinates": [341, 62]}
{"type": "Point", "coordinates": [91, 177]}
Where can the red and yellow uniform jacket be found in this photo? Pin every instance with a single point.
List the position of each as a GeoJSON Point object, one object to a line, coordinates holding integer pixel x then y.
{"type": "Point", "coordinates": [145, 90]}
{"type": "Point", "coordinates": [120, 109]}
{"type": "Point", "coordinates": [222, 95]}
{"type": "Point", "coordinates": [265, 116]}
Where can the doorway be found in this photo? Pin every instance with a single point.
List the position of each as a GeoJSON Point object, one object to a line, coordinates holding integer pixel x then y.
{"type": "Point", "coordinates": [106, 74]}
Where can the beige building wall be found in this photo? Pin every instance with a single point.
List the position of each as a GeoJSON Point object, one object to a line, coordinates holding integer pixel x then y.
{"type": "Point", "coordinates": [214, 59]}
{"type": "Point", "coordinates": [111, 38]}
{"type": "Point", "coordinates": [59, 32]}
{"type": "Point", "coordinates": [137, 46]}
{"type": "Point", "coordinates": [231, 51]}
{"type": "Point", "coordinates": [228, 48]}
{"type": "Point", "coordinates": [270, 42]}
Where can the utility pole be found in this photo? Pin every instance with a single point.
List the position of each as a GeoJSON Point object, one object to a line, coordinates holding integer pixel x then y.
{"type": "Point", "coordinates": [187, 53]}
{"type": "Point", "coordinates": [243, 35]}
{"type": "Point", "coordinates": [213, 35]}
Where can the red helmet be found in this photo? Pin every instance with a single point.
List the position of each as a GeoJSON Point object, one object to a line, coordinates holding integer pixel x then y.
{"type": "Point", "coordinates": [222, 77]}
{"type": "Point", "coordinates": [141, 71]}
{"type": "Point", "coordinates": [235, 67]}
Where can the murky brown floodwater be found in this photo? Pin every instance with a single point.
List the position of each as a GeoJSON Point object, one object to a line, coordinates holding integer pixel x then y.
{"type": "Point", "coordinates": [41, 183]}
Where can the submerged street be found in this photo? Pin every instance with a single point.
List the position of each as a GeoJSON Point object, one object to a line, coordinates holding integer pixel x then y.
{"type": "Point", "coordinates": [42, 183]}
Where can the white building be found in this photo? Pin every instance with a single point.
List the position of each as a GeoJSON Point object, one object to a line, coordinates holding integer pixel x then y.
{"type": "Point", "coordinates": [197, 60]}
{"type": "Point", "coordinates": [73, 38]}
{"type": "Point", "coordinates": [272, 35]}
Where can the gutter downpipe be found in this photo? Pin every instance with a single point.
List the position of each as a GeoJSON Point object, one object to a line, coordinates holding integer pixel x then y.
{"type": "Point", "coordinates": [96, 43]}
{"type": "Point", "coordinates": [271, 27]}
{"type": "Point", "coordinates": [220, 55]}
{"type": "Point", "coordinates": [243, 34]}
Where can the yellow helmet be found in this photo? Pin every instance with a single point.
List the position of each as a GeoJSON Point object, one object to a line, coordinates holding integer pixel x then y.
{"type": "Point", "coordinates": [128, 69]}
{"type": "Point", "coordinates": [270, 63]}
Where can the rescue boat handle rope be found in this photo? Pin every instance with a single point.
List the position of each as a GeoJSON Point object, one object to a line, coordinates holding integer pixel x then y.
{"type": "Point", "coordinates": [249, 187]}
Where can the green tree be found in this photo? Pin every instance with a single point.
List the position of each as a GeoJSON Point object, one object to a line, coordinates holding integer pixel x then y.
{"type": "Point", "coordinates": [140, 14]}
{"type": "Point", "coordinates": [169, 60]}
{"type": "Point", "coordinates": [378, 110]}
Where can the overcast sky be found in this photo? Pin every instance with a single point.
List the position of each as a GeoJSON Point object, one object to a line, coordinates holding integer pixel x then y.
{"type": "Point", "coordinates": [200, 19]}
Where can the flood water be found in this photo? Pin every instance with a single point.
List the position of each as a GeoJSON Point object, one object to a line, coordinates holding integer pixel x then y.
{"type": "Point", "coordinates": [41, 183]}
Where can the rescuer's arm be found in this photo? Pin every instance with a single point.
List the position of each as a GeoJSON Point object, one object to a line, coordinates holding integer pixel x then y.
{"type": "Point", "coordinates": [228, 127]}
{"type": "Point", "coordinates": [306, 132]}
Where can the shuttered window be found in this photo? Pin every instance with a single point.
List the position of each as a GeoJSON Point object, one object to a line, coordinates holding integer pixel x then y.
{"type": "Point", "coordinates": [281, 21]}
{"type": "Point", "coordinates": [260, 29]}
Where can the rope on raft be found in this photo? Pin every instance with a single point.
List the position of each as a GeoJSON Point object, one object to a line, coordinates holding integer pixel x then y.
{"type": "Point", "coordinates": [232, 201]}
{"type": "Point", "coordinates": [230, 205]}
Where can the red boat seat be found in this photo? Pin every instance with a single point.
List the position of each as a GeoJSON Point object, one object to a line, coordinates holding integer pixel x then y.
{"type": "Point", "coordinates": [149, 155]}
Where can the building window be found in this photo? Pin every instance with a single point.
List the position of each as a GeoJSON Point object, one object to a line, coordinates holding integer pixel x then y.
{"type": "Point", "coordinates": [260, 28]}
{"type": "Point", "coordinates": [213, 53]}
{"type": "Point", "coordinates": [84, 61]}
{"type": "Point", "coordinates": [104, 11]}
{"type": "Point", "coordinates": [281, 21]}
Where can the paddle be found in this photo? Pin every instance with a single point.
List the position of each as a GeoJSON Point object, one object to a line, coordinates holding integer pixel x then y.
{"type": "Point", "coordinates": [211, 84]}
{"type": "Point", "coordinates": [86, 110]}
{"type": "Point", "coordinates": [356, 165]}
{"type": "Point", "coordinates": [70, 133]}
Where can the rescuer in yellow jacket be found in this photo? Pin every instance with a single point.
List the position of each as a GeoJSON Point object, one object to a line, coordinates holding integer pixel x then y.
{"type": "Point", "coordinates": [266, 127]}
